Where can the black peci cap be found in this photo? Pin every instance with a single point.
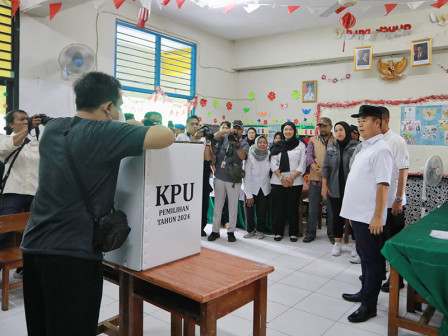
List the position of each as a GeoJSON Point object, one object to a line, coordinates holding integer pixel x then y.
{"type": "Point", "coordinates": [368, 110]}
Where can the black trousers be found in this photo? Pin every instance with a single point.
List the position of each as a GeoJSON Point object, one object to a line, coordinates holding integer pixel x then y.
{"type": "Point", "coordinates": [62, 295]}
{"type": "Point", "coordinates": [338, 221]}
{"type": "Point", "coordinates": [286, 207]}
{"type": "Point", "coordinates": [206, 189]}
{"type": "Point", "coordinates": [368, 247]}
{"type": "Point", "coordinates": [261, 204]}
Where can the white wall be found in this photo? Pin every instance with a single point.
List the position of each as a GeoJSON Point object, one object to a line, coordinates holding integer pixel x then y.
{"type": "Point", "coordinates": [42, 89]}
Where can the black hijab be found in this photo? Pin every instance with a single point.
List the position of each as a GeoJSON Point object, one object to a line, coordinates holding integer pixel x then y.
{"type": "Point", "coordinates": [342, 144]}
{"type": "Point", "coordinates": [283, 146]}
{"type": "Point", "coordinates": [251, 142]}
{"type": "Point", "coordinates": [348, 135]}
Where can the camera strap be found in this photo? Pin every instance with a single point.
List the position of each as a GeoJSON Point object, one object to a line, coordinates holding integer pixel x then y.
{"type": "Point", "coordinates": [16, 152]}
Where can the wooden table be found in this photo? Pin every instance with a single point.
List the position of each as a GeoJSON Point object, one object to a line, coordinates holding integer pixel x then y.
{"type": "Point", "coordinates": [196, 290]}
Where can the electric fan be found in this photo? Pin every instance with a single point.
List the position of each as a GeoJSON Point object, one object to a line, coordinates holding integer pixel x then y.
{"type": "Point", "coordinates": [432, 175]}
{"type": "Point", "coordinates": [76, 59]}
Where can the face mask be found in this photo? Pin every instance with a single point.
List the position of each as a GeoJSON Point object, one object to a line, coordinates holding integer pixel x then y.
{"type": "Point", "coordinates": [121, 117]}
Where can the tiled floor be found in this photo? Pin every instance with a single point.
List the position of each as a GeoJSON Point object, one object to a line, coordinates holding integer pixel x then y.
{"type": "Point", "coordinates": [304, 294]}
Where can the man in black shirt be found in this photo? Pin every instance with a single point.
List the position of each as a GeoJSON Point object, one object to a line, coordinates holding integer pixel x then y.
{"type": "Point", "coordinates": [62, 277]}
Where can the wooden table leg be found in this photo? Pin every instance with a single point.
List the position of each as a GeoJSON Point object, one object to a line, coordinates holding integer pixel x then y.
{"type": "Point", "coordinates": [176, 325]}
{"type": "Point", "coordinates": [189, 327]}
{"type": "Point", "coordinates": [208, 318]}
{"type": "Point", "coordinates": [131, 308]}
{"type": "Point", "coordinates": [394, 302]}
{"type": "Point", "coordinates": [260, 307]}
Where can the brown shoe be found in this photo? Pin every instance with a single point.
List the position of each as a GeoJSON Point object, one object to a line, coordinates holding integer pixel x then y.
{"type": "Point", "coordinates": [308, 239]}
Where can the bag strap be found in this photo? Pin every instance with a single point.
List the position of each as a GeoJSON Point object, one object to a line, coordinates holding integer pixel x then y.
{"type": "Point", "coordinates": [77, 176]}
{"type": "Point", "coordinates": [16, 152]}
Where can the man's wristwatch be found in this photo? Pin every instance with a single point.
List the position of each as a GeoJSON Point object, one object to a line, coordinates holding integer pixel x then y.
{"type": "Point", "coordinates": [398, 199]}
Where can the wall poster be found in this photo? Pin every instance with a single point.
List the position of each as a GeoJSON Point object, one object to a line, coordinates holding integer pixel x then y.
{"type": "Point", "coordinates": [425, 125]}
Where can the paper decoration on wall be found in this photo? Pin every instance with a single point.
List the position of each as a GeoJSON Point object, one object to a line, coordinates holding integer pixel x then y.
{"type": "Point", "coordinates": [429, 113]}
{"type": "Point", "coordinates": [262, 114]}
{"type": "Point", "coordinates": [414, 5]}
{"type": "Point", "coordinates": [203, 102]}
{"type": "Point", "coordinates": [14, 7]}
{"type": "Point", "coordinates": [251, 122]}
{"type": "Point", "coordinates": [335, 80]}
{"type": "Point", "coordinates": [273, 120]}
{"type": "Point", "coordinates": [216, 103]}
{"type": "Point", "coordinates": [200, 119]}
{"type": "Point", "coordinates": [292, 9]}
{"type": "Point", "coordinates": [443, 68]}
{"type": "Point", "coordinates": [251, 96]}
{"type": "Point", "coordinates": [439, 3]}
{"type": "Point", "coordinates": [259, 120]}
{"type": "Point", "coordinates": [164, 2]}
{"type": "Point", "coordinates": [295, 94]}
{"type": "Point", "coordinates": [229, 8]}
{"type": "Point", "coordinates": [180, 3]}
{"type": "Point", "coordinates": [442, 20]}
{"type": "Point", "coordinates": [143, 16]}
{"type": "Point", "coordinates": [229, 106]}
{"type": "Point", "coordinates": [306, 111]}
{"type": "Point", "coordinates": [338, 32]}
{"type": "Point", "coordinates": [118, 3]}
{"type": "Point", "coordinates": [215, 120]}
{"type": "Point", "coordinates": [209, 114]}
{"type": "Point", "coordinates": [245, 120]}
{"type": "Point", "coordinates": [390, 8]}
{"type": "Point", "coordinates": [305, 119]}
{"type": "Point", "coordinates": [265, 122]}
{"type": "Point", "coordinates": [392, 70]}
{"type": "Point", "coordinates": [99, 5]}
{"type": "Point", "coordinates": [271, 96]}
{"type": "Point", "coordinates": [283, 106]}
{"type": "Point", "coordinates": [246, 109]}
{"type": "Point", "coordinates": [281, 121]}
{"type": "Point", "coordinates": [159, 93]}
{"type": "Point", "coordinates": [223, 117]}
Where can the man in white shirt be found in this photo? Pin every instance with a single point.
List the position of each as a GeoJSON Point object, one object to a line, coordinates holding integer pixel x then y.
{"type": "Point", "coordinates": [192, 134]}
{"type": "Point", "coordinates": [364, 204]}
{"type": "Point", "coordinates": [309, 95]}
{"type": "Point", "coordinates": [396, 200]}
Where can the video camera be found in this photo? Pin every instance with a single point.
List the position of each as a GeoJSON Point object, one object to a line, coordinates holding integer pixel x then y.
{"type": "Point", "coordinates": [207, 134]}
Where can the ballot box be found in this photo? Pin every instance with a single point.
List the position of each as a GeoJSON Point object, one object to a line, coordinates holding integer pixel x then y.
{"type": "Point", "coordinates": [161, 194]}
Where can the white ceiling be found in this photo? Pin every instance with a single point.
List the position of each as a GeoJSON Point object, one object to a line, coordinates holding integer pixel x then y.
{"type": "Point", "coordinates": [271, 18]}
{"type": "Point", "coordinates": [267, 20]}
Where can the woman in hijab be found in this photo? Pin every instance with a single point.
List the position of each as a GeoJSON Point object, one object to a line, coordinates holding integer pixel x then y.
{"type": "Point", "coordinates": [334, 176]}
{"type": "Point", "coordinates": [257, 186]}
{"type": "Point", "coordinates": [251, 136]}
{"type": "Point", "coordinates": [278, 136]}
{"type": "Point", "coordinates": [288, 163]}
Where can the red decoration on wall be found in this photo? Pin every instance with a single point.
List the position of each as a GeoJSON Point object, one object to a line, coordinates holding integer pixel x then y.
{"type": "Point", "coordinates": [265, 122]}
{"type": "Point", "coordinates": [296, 121]}
{"type": "Point", "coordinates": [335, 80]}
{"type": "Point", "coordinates": [442, 67]}
{"type": "Point", "coordinates": [223, 117]}
{"type": "Point", "coordinates": [14, 7]}
{"type": "Point", "coordinates": [215, 120]}
{"type": "Point", "coordinates": [54, 9]}
{"type": "Point", "coordinates": [390, 8]}
{"type": "Point", "coordinates": [203, 102]}
{"type": "Point", "coordinates": [118, 3]}
{"type": "Point", "coordinates": [347, 21]}
{"type": "Point", "coordinates": [271, 96]}
{"type": "Point", "coordinates": [200, 119]}
{"type": "Point", "coordinates": [180, 3]}
{"type": "Point", "coordinates": [143, 16]}
{"type": "Point", "coordinates": [439, 3]}
{"type": "Point", "coordinates": [229, 106]}
{"type": "Point", "coordinates": [165, 2]}
{"type": "Point", "coordinates": [340, 9]}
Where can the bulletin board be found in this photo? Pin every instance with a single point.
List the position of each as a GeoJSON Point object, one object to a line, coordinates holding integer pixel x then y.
{"type": "Point", "coordinates": [425, 125]}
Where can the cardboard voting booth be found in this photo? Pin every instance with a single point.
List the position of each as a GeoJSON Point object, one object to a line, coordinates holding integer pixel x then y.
{"type": "Point", "coordinates": [161, 194]}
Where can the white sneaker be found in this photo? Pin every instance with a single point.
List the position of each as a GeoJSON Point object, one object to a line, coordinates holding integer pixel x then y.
{"type": "Point", "coordinates": [337, 247]}
{"type": "Point", "coordinates": [249, 234]}
{"type": "Point", "coordinates": [355, 260]}
{"type": "Point", "coordinates": [353, 253]}
{"type": "Point", "coordinates": [260, 235]}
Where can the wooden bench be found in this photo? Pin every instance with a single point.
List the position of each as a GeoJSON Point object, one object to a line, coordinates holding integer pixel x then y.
{"type": "Point", "coordinates": [11, 258]}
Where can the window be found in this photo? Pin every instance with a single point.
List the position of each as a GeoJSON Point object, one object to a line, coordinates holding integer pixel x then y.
{"type": "Point", "coordinates": [9, 61]}
{"type": "Point", "coordinates": [144, 61]}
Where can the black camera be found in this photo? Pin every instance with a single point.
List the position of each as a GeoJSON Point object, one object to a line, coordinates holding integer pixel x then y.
{"type": "Point", "coordinates": [207, 134]}
{"type": "Point", "coordinates": [44, 120]}
{"type": "Point", "coordinates": [232, 137]}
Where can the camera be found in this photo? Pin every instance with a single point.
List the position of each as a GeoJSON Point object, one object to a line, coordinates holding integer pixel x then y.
{"type": "Point", "coordinates": [207, 134]}
{"type": "Point", "coordinates": [232, 137]}
{"type": "Point", "coordinates": [44, 120]}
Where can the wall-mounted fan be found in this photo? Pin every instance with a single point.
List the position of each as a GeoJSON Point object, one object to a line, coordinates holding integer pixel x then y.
{"type": "Point", "coordinates": [76, 59]}
{"type": "Point", "coordinates": [432, 175]}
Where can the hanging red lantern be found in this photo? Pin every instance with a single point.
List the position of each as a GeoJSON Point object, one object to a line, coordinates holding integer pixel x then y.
{"type": "Point", "coordinates": [347, 21]}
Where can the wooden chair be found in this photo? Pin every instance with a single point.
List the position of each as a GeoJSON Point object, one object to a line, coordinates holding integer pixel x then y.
{"type": "Point", "coordinates": [11, 258]}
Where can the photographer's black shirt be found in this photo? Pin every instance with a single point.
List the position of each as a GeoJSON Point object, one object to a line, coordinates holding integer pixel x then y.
{"type": "Point", "coordinates": [221, 171]}
{"type": "Point", "coordinates": [59, 223]}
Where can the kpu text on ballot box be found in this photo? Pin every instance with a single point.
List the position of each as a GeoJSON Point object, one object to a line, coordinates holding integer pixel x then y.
{"type": "Point", "coordinates": [161, 194]}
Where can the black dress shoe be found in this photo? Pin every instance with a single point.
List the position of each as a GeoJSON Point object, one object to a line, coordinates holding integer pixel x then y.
{"type": "Point", "coordinates": [362, 314]}
{"type": "Point", "coordinates": [357, 297]}
{"type": "Point", "coordinates": [385, 287]}
{"type": "Point", "coordinates": [203, 233]}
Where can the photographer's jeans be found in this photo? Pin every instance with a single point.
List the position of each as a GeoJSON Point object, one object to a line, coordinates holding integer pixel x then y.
{"type": "Point", "coordinates": [233, 193]}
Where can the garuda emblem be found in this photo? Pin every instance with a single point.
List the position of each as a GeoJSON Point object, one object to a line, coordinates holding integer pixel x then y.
{"type": "Point", "coordinates": [392, 70]}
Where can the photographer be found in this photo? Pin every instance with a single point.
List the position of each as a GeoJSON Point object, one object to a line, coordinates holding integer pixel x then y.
{"type": "Point", "coordinates": [232, 151]}
{"type": "Point", "coordinates": [20, 187]}
{"type": "Point", "coordinates": [62, 269]}
{"type": "Point", "coordinates": [193, 133]}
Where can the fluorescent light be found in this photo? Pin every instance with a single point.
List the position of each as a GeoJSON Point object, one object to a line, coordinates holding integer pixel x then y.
{"type": "Point", "coordinates": [224, 3]}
